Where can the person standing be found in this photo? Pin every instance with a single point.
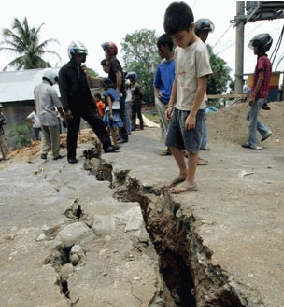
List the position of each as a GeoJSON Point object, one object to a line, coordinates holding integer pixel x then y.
{"type": "Point", "coordinates": [3, 141]}
{"type": "Point", "coordinates": [32, 117]}
{"type": "Point", "coordinates": [202, 27]}
{"type": "Point", "coordinates": [163, 82]}
{"type": "Point", "coordinates": [137, 97]}
{"type": "Point", "coordinates": [186, 108]}
{"type": "Point", "coordinates": [78, 101]}
{"type": "Point", "coordinates": [115, 74]}
{"type": "Point", "coordinates": [47, 103]}
{"type": "Point", "coordinates": [259, 92]}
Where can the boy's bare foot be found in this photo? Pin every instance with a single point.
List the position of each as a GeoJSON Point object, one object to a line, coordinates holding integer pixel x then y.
{"type": "Point", "coordinates": [183, 188]}
{"type": "Point", "coordinates": [175, 182]}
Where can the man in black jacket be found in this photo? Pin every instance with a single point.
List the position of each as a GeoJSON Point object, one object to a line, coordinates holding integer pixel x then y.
{"type": "Point", "coordinates": [77, 101]}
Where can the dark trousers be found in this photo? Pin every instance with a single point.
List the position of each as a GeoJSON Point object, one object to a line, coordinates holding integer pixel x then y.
{"type": "Point", "coordinates": [136, 109]}
{"type": "Point", "coordinates": [95, 122]}
{"type": "Point", "coordinates": [122, 112]}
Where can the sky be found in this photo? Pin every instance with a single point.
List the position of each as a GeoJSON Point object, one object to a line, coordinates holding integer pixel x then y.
{"type": "Point", "coordinates": [94, 22]}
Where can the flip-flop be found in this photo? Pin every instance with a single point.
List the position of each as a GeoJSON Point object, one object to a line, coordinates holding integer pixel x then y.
{"type": "Point", "coordinates": [175, 182]}
{"type": "Point", "coordinates": [202, 162]}
{"type": "Point", "coordinates": [181, 189]}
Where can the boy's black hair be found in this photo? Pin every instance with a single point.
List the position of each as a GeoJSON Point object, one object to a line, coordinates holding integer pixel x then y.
{"type": "Point", "coordinates": [165, 40]}
{"type": "Point", "coordinates": [178, 17]}
{"type": "Point", "coordinates": [98, 95]}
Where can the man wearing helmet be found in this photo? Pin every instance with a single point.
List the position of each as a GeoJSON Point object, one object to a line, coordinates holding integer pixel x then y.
{"type": "Point", "coordinates": [259, 92]}
{"type": "Point", "coordinates": [46, 105]}
{"type": "Point", "coordinates": [78, 101]}
{"type": "Point", "coordinates": [115, 74]}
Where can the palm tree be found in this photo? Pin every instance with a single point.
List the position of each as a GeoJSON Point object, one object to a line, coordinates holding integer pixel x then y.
{"type": "Point", "coordinates": [24, 41]}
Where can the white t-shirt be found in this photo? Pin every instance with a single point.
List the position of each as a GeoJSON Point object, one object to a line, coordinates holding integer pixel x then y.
{"type": "Point", "coordinates": [192, 63]}
{"type": "Point", "coordinates": [34, 118]}
{"type": "Point", "coordinates": [46, 101]}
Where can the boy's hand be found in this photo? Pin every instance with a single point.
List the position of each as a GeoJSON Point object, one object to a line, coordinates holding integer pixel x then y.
{"type": "Point", "coordinates": [111, 118]}
{"type": "Point", "coordinates": [190, 122]}
{"type": "Point", "coordinates": [251, 99]}
{"type": "Point", "coordinates": [68, 114]}
{"type": "Point", "coordinates": [168, 113]}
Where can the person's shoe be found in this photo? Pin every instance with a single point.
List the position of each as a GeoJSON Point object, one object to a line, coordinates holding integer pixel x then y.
{"type": "Point", "coordinates": [43, 156]}
{"type": "Point", "coordinates": [205, 148]}
{"type": "Point", "coordinates": [251, 147]}
{"type": "Point", "coordinates": [123, 141]}
{"type": "Point", "coordinates": [267, 135]}
{"type": "Point", "coordinates": [58, 158]}
{"type": "Point", "coordinates": [265, 106]}
{"type": "Point", "coordinates": [163, 153]}
{"type": "Point", "coordinates": [72, 160]}
{"type": "Point", "coordinates": [111, 149]}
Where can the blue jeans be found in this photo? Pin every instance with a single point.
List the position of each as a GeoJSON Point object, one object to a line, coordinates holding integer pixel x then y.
{"type": "Point", "coordinates": [254, 124]}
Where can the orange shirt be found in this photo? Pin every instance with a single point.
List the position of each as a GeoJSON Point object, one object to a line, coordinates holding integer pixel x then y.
{"type": "Point", "coordinates": [101, 108]}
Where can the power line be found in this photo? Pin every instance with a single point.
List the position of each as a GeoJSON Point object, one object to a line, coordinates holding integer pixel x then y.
{"type": "Point", "coordinates": [222, 36]}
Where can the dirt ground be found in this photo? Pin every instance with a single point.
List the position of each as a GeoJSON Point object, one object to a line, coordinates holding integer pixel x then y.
{"type": "Point", "coordinates": [237, 186]}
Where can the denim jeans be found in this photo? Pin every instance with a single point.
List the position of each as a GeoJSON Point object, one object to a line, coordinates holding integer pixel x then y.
{"type": "Point", "coordinates": [254, 124]}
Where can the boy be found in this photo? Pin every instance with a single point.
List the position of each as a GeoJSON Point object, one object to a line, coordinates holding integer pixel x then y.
{"type": "Point", "coordinates": [163, 83]}
{"type": "Point", "coordinates": [188, 94]}
{"type": "Point", "coordinates": [100, 104]}
{"type": "Point", "coordinates": [260, 44]}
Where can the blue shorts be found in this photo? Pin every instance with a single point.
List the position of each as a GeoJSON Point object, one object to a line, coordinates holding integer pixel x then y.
{"type": "Point", "coordinates": [178, 137]}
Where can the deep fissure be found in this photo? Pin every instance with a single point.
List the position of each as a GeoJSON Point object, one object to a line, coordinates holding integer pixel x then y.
{"type": "Point", "coordinates": [182, 255]}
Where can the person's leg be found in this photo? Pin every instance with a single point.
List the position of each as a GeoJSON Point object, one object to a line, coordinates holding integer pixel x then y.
{"type": "Point", "coordinates": [161, 111]}
{"type": "Point", "coordinates": [139, 115]}
{"type": "Point", "coordinates": [192, 141]}
{"type": "Point", "coordinates": [253, 118]}
{"type": "Point", "coordinates": [2, 147]}
{"type": "Point", "coordinates": [55, 140]}
{"type": "Point", "coordinates": [204, 137]}
{"type": "Point", "coordinates": [98, 127]}
{"type": "Point", "coordinates": [122, 131]}
{"type": "Point", "coordinates": [72, 136]}
{"type": "Point", "coordinates": [133, 116]}
{"type": "Point", "coordinates": [45, 143]}
{"type": "Point", "coordinates": [113, 133]}
{"type": "Point", "coordinates": [128, 107]}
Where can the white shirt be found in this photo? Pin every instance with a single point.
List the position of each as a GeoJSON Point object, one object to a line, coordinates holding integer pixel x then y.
{"type": "Point", "coordinates": [192, 63]}
{"type": "Point", "coordinates": [34, 118]}
{"type": "Point", "coordinates": [46, 102]}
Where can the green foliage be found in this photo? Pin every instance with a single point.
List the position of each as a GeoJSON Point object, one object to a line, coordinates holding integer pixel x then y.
{"type": "Point", "coordinates": [22, 133]}
{"type": "Point", "coordinates": [140, 54]}
{"type": "Point", "coordinates": [218, 82]}
{"type": "Point", "coordinates": [92, 72]}
{"type": "Point", "coordinates": [24, 42]}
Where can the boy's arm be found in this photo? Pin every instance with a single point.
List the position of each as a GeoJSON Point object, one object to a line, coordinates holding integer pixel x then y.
{"type": "Point", "coordinates": [257, 88]}
{"type": "Point", "coordinates": [172, 101]}
{"type": "Point", "coordinates": [199, 95]}
{"type": "Point", "coordinates": [108, 99]}
{"type": "Point", "coordinates": [118, 80]}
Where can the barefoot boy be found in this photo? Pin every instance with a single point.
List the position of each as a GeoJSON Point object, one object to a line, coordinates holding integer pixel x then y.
{"type": "Point", "coordinates": [186, 109]}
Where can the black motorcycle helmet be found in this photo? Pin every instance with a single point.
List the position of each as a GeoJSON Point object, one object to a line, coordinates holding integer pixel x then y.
{"type": "Point", "coordinates": [203, 24]}
{"type": "Point", "coordinates": [263, 42]}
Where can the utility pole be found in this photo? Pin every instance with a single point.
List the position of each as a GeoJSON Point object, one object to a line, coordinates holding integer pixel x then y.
{"type": "Point", "coordinates": [240, 21]}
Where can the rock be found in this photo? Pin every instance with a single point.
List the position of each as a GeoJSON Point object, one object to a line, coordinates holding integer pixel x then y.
{"type": "Point", "coordinates": [76, 249]}
{"type": "Point", "coordinates": [10, 237]}
{"type": "Point", "coordinates": [245, 173]}
{"type": "Point", "coordinates": [41, 237]}
{"type": "Point", "coordinates": [74, 259]}
{"type": "Point", "coordinates": [72, 234]}
{"type": "Point", "coordinates": [134, 219]}
{"type": "Point", "coordinates": [57, 245]}
{"type": "Point", "coordinates": [66, 271]}
{"type": "Point", "coordinates": [103, 225]}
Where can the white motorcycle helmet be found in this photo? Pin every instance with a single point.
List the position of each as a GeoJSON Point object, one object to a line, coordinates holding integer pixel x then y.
{"type": "Point", "coordinates": [76, 47]}
{"type": "Point", "coordinates": [51, 75]}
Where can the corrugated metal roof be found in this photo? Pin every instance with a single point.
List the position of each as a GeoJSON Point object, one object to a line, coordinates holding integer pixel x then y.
{"type": "Point", "coordinates": [19, 85]}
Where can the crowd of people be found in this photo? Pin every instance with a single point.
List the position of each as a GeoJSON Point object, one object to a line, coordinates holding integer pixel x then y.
{"type": "Point", "coordinates": [180, 97]}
